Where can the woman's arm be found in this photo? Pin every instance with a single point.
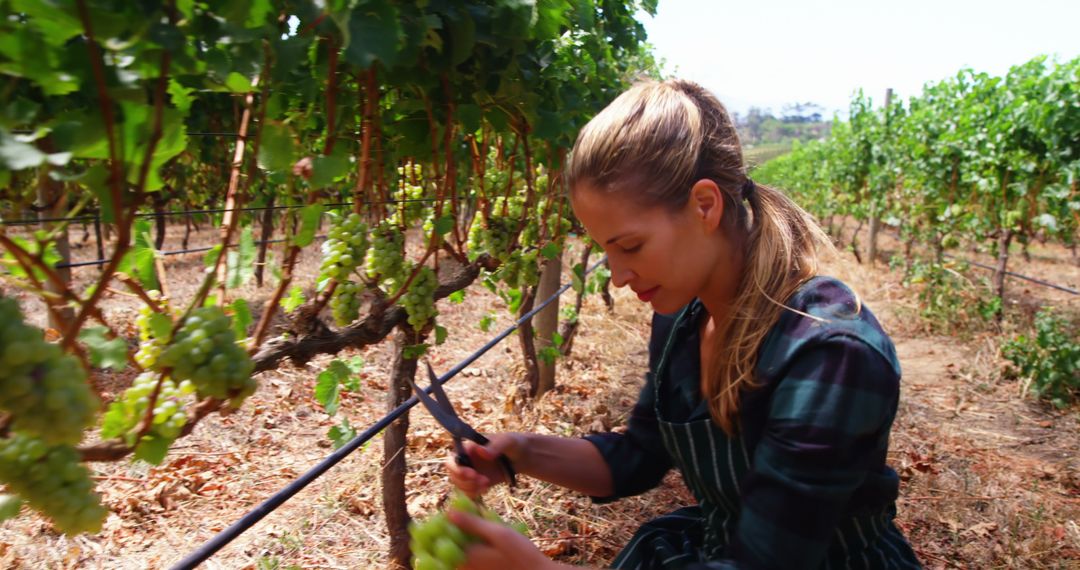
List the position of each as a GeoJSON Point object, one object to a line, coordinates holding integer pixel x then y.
{"type": "Point", "coordinates": [568, 462]}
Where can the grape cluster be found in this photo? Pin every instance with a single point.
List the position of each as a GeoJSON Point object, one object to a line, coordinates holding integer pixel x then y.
{"type": "Point", "coordinates": [345, 304]}
{"type": "Point", "coordinates": [438, 544]}
{"type": "Point", "coordinates": [419, 300]}
{"type": "Point", "coordinates": [149, 347]}
{"type": "Point", "coordinates": [409, 193]}
{"type": "Point", "coordinates": [386, 259]}
{"type": "Point", "coordinates": [344, 248]}
{"type": "Point", "coordinates": [51, 479]}
{"type": "Point", "coordinates": [204, 351]}
{"type": "Point", "coordinates": [127, 411]}
{"type": "Point", "coordinates": [43, 389]}
{"type": "Point", "coordinates": [498, 235]}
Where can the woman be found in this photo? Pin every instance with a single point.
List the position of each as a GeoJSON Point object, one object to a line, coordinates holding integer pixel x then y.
{"type": "Point", "coordinates": [770, 388]}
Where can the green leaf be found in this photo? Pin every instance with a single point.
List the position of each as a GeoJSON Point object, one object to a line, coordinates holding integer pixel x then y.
{"type": "Point", "coordinates": [514, 298]}
{"type": "Point", "coordinates": [138, 262]}
{"type": "Point", "coordinates": [327, 391]}
{"type": "Point", "coordinates": [551, 251]}
{"type": "Point", "coordinates": [210, 257]}
{"type": "Point", "coordinates": [486, 322]}
{"type": "Point", "coordinates": [440, 334]}
{"type": "Point", "coordinates": [374, 34]}
{"type": "Point", "coordinates": [152, 449]}
{"type": "Point", "coordinates": [444, 224]}
{"type": "Point", "coordinates": [181, 96]}
{"type": "Point", "coordinates": [241, 317]}
{"type": "Point", "coordinates": [577, 278]}
{"type": "Point", "coordinates": [309, 223]}
{"type": "Point", "coordinates": [341, 434]}
{"type": "Point", "coordinates": [160, 326]}
{"type": "Point", "coordinates": [241, 261]}
{"type": "Point", "coordinates": [104, 352]}
{"type": "Point", "coordinates": [325, 169]}
{"type": "Point", "coordinates": [277, 148]}
{"type": "Point", "coordinates": [556, 338]}
{"type": "Point", "coordinates": [457, 297]}
{"type": "Point", "coordinates": [413, 352]}
{"type": "Point", "coordinates": [238, 83]}
{"type": "Point", "coordinates": [116, 421]}
{"type": "Point", "coordinates": [294, 299]}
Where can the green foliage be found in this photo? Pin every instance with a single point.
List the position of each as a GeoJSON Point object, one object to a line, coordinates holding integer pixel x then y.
{"type": "Point", "coordinates": [1049, 358]}
{"type": "Point", "coordinates": [949, 302]}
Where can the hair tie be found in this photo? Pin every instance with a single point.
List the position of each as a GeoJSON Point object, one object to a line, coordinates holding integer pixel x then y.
{"type": "Point", "coordinates": [748, 189]}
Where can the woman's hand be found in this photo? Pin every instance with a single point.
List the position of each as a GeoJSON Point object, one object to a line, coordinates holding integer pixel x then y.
{"type": "Point", "coordinates": [486, 471]}
{"type": "Point", "coordinates": [500, 546]}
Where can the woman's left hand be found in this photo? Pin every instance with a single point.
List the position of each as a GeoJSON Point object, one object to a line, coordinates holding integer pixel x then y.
{"type": "Point", "coordinates": [500, 546]}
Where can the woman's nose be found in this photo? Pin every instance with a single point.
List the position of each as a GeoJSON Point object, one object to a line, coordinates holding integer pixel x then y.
{"type": "Point", "coordinates": [620, 275]}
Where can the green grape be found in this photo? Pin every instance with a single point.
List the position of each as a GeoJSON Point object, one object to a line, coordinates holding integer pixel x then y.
{"type": "Point", "coordinates": [207, 335]}
{"type": "Point", "coordinates": [127, 412]}
{"type": "Point", "coordinates": [345, 304]}
{"type": "Point", "coordinates": [419, 300]}
{"type": "Point", "coordinates": [345, 246]}
{"type": "Point", "coordinates": [438, 543]}
{"type": "Point", "coordinates": [385, 259]}
{"type": "Point", "coordinates": [52, 481]}
{"type": "Point", "coordinates": [409, 193]}
{"type": "Point", "coordinates": [530, 268]}
{"type": "Point", "coordinates": [44, 390]}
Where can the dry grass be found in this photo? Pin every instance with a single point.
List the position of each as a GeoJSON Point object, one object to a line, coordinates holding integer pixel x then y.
{"type": "Point", "coordinates": [990, 477]}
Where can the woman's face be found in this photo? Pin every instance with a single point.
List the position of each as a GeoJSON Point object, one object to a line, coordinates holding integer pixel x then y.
{"type": "Point", "coordinates": [666, 257]}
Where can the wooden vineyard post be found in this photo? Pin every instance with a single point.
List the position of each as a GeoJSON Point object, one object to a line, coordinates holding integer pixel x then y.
{"type": "Point", "coordinates": [394, 440]}
{"type": "Point", "coordinates": [547, 321]}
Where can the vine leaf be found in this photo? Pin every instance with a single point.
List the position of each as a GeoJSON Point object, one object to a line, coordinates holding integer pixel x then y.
{"type": "Point", "coordinates": [309, 222]}
{"type": "Point", "coordinates": [328, 385]}
{"type": "Point", "coordinates": [104, 352]}
{"type": "Point", "coordinates": [294, 299]}
{"type": "Point", "coordinates": [242, 261]}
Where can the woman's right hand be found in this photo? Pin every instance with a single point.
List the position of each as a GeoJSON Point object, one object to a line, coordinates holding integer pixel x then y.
{"type": "Point", "coordinates": [486, 471]}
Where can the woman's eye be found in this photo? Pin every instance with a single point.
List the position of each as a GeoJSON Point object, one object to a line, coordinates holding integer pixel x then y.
{"type": "Point", "coordinates": [632, 249]}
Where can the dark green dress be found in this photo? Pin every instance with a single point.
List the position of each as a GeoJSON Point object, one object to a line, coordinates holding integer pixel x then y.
{"type": "Point", "coordinates": [804, 482]}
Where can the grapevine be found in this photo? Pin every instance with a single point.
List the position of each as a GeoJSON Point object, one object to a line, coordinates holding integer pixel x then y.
{"type": "Point", "coordinates": [205, 352]}
{"type": "Point", "coordinates": [43, 389]}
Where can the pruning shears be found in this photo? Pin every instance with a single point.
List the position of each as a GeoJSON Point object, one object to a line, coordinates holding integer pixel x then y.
{"type": "Point", "coordinates": [444, 413]}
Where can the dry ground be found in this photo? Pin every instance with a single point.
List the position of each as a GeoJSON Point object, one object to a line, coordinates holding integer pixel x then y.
{"type": "Point", "coordinates": [990, 477]}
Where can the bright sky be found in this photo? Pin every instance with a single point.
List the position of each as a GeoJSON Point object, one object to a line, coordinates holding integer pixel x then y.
{"type": "Point", "coordinates": [768, 53]}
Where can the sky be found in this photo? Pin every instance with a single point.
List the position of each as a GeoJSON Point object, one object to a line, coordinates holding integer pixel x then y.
{"type": "Point", "coordinates": [770, 53]}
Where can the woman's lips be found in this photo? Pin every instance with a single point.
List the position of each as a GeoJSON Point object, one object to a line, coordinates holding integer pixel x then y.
{"type": "Point", "coordinates": [645, 296]}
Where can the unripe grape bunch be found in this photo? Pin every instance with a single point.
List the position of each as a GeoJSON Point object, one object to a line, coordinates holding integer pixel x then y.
{"type": "Point", "coordinates": [43, 389]}
{"type": "Point", "coordinates": [204, 351]}
{"type": "Point", "coordinates": [127, 411]}
{"type": "Point", "coordinates": [345, 304]}
{"type": "Point", "coordinates": [438, 544]}
{"type": "Point", "coordinates": [51, 479]}
{"type": "Point", "coordinates": [419, 300]}
{"type": "Point", "coordinates": [386, 259]}
{"type": "Point", "coordinates": [345, 247]}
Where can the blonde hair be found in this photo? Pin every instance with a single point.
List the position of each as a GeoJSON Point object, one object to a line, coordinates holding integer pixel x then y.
{"type": "Point", "coordinates": [653, 143]}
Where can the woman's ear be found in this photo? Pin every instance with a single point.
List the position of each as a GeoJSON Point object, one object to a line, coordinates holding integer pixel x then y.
{"type": "Point", "coordinates": [707, 203]}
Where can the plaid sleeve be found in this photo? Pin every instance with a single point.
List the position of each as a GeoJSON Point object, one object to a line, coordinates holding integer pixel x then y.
{"type": "Point", "coordinates": [637, 458]}
{"type": "Point", "coordinates": [826, 432]}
